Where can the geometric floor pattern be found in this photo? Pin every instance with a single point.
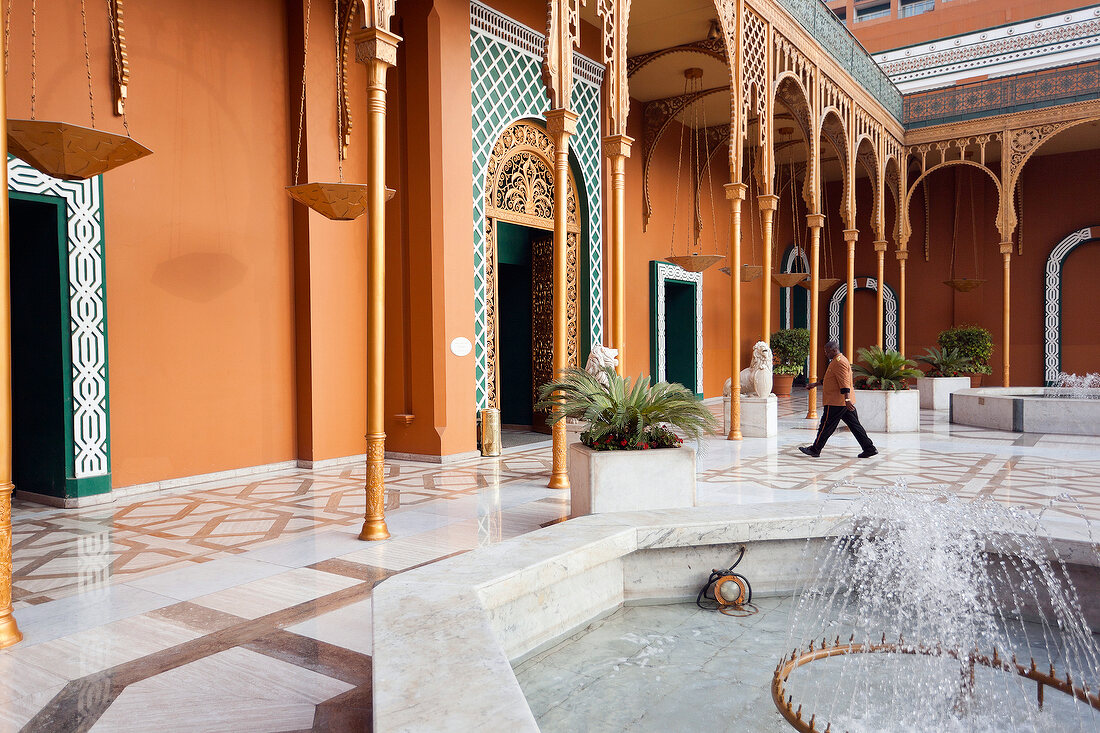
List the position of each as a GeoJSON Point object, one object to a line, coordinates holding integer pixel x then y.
{"type": "Point", "coordinates": [245, 605]}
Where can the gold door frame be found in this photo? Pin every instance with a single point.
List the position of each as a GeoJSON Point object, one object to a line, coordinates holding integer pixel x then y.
{"type": "Point", "coordinates": [519, 189]}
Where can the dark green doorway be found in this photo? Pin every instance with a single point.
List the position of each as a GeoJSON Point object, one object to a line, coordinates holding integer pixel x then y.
{"type": "Point", "coordinates": [680, 333]}
{"type": "Point", "coordinates": [39, 316]}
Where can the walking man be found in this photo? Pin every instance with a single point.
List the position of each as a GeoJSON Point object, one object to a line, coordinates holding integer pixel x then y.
{"type": "Point", "coordinates": [837, 392]}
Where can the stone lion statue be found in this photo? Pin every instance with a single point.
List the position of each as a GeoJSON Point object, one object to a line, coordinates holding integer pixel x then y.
{"type": "Point", "coordinates": [600, 359]}
{"type": "Point", "coordinates": [756, 381]}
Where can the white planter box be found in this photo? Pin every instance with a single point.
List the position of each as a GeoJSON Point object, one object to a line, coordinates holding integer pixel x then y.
{"type": "Point", "coordinates": [888, 411]}
{"type": "Point", "coordinates": [626, 481]}
{"type": "Point", "coordinates": [935, 392]}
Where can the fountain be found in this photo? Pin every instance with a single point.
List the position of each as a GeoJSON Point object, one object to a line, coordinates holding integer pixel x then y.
{"type": "Point", "coordinates": [934, 613]}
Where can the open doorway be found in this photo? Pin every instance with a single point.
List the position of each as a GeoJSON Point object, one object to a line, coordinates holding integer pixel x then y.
{"type": "Point", "coordinates": [39, 316]}
{"type": "Point", "coordinates": [675, 326]}
{"type": "Point", "coordinates": [680, 333]}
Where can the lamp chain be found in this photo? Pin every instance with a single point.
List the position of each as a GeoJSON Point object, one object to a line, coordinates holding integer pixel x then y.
{"type": "Point", "coordinates": [339, 100]}
{"type": "Point", "coordinates": [302, 105]}
{"type": "Point", "coordinates": [34, 54]}
{"type": "Point", "coordinates": [87, 59]}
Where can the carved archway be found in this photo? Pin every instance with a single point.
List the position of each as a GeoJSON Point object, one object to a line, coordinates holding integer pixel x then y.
{"type": "Point", "coordinates": [1052, 300]}
{"type": "Point", "coordinates": [519, 189]}
{"type": "Point", "coordinates": [890, 314]}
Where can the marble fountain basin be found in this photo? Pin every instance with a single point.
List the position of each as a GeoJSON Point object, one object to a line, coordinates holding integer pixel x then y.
{"type": "Point", "coordinates": [1028, 410]}
{"type": "Point", "coordinates": [447, 635]}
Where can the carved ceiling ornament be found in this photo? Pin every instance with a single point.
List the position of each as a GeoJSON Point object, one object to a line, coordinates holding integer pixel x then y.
{"type": "Point", "coordinates": [729, 21]}
{"type": "Point", "coordinates": [562, 38]}
{"type": "Point", "coordinates": [346, 11]}
{"type": "Point", "coordinates": [120, 69]}
{"type": "Point", "coordinates": [715, 48]}
{"type": "Point", "coordinates": [616, 16]}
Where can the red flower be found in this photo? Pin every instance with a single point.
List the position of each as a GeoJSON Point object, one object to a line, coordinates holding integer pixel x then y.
{"type": "Point", "coordinates": [645, 446]}
{"type": "Point", "coordinates": [622, 442]}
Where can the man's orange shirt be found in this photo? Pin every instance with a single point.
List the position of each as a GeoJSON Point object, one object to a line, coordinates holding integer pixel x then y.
{"type": "Point", "coordinates": [837, 377]}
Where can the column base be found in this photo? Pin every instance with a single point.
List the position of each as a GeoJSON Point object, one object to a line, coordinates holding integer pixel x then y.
{"type": "Point", "coordinates": [9, 631]}
{"type": "Point", "coordinates": [374, 529]}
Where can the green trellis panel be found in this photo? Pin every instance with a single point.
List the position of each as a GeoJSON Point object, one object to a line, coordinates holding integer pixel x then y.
{"type": "Point", "coordinates": [506, 79]}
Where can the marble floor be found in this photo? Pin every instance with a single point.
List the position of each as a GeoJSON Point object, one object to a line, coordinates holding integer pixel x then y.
{"type": "Point", "coordinates": [245, 604]}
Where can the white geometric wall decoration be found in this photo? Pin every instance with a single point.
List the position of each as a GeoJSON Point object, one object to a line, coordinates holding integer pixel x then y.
{"type": "Point", "coordinates": [890, 308]}
{"type": "Point", "coordinates": [87, 310]}
{"type": "Point", "coordinates": [1052, 302]}
{"type": "Point", "coordinates": [506, 85]}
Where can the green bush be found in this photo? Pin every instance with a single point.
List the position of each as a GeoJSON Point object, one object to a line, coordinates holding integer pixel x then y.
{"type": "Point", "coordinates": [884, 369]}
{"type": "Point", "coordinates": [945, 362]}
{"type": "Point", "coordinates": [626, 416]}
{"type": "Point", "coordinates": [973, 343]}
{"type": "Point", "coordinates": [790, 347]}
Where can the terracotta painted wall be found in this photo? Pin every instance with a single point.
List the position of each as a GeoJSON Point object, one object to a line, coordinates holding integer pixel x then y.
{"type": "Point", "coordinates": [1049, 215]}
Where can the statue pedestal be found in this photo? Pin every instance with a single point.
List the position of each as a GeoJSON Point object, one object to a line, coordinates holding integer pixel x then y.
{"type": "Point", "coordinates": [726, 413]}
{"type": "Point", "coordinates": [759, 416]}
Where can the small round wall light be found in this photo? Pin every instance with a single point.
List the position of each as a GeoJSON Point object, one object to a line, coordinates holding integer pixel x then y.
{"type": "Point", "coordinates": [461, 346]}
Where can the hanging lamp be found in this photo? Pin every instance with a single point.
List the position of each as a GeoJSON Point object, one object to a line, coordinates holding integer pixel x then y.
{"type": "Point", "coordinates": [790, 279]}
{"type": "Point", "coordinates": [824, 283]}
{"type": "Point", "coordinates": [748, 272]}
{"type": "Point", "coordinates": [61, 149]}
{"type": "Point", "coordinates": [964, 284]}
{"type": "Point", "coordinates": [694, 261]}
{"type": "Point", "coordinates": [337, 200]}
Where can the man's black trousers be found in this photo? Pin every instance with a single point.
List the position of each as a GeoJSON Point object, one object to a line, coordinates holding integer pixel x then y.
{"type": "Point", "coordinates": [831, 418]}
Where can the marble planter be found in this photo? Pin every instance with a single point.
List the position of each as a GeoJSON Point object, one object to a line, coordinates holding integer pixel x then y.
{"type": "Point", "coordinates": [625, 481]}
{"type": "Point", "coordinates": [935, 392]}
{"type": "Point", "coordinates": [889, 411]}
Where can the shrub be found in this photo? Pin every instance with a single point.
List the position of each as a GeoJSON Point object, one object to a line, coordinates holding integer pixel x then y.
{"type": "Point", "coordinates": [626, 415]}
{"type": "Point", "coordinates": [945, 362]}
{"type": "Point", "coordinates": [884, 369]}
{"type": "Point", "coordinates": [974, 343]}
{"type": "Point", "coordinates": [790, 347]}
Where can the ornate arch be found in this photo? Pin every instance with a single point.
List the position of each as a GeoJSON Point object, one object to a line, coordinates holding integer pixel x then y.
{"type": "Point", "coordinates": [1052, 300]}
{"type": "Point", "coordinates": [787, 262]}
{"type": "Point", "coordinates": [890, 314]}
{"type": "Point", "coordinates": [907, 227]}
{"type": "Point", "coordinates": [832, 127]}
{"type": "Point", "coordinates": [519, 189]}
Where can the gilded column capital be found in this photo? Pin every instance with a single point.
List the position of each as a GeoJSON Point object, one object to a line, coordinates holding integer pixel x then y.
{"type": "Point", "coordinates": [880, 245]}
{"type": "Point", "coordinates": [736, 191]}
{"type": "Point", "coordinates": [768, 201]}
{"type": "Point", "coordinates": [902, 255]}
{"type": "Point", "coordinates": [815, 220]}
{"type": "Point", "coordinates": [851, 235]}
{"type": "Point", "coordinates": [375, 44]}
{"type": "Point", "coordinates": [617, 145]}
{"type": "Point", "coordinates": [1006, 248]}
{"type": "Point", "coordinates": [561, 122]}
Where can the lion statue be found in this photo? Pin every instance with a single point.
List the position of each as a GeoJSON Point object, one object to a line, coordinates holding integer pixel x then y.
{"type": "Point", "coordinates": [600, 359]}
{"type": "Point", "coordinates": [756, 381]}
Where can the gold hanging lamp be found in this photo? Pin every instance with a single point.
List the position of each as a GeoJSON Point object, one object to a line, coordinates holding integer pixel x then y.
{"type": "Point", "coordinates": [748, 272]}
{"type": "Point", "coordinates": [964, 284]}
{"type": "Point", "coordinates": [790, 279]}
{"type": "Point", "coordinates": [64, 150]}
{"type": "Point", "coordinates": [694, 261]}
{"type": "Point", "coordinates": [338, 201]}
{"type": "Point", "coordinates": [824, 283]}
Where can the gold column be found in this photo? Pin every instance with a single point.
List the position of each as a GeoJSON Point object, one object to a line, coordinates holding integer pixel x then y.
{"type": "Point", "coordinates": [902, 255]}
{"type": "Point", "coordinates": [617, 149]}
{"type": "Point", "coordinates": [735, 192]}
{"type": "Point", "coordinates": [377, 49]}
{"type": "Point", "coordinates": [815, 222]}
{"type": "Point", "coordinates": [9, 630]}
{"type": "Point", "coordinates": [768, 204]}
{"type": "Point", "coordinates": [850, 237]}
{"type": "Point", "coordinates": [880, 250]}
{"type": "Point", "coordinates": [561, 124]}
{"type": "Point", "coordinates": [1006, 255]}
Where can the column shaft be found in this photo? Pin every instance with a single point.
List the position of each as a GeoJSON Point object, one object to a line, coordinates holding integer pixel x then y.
{"type": "Point", "coordinates": [1006, 255]}
{"type": "Point", "coordinates": [850, 237]}
{"type": "Point", "coordinates": [880, 336]}
{"type": "Point", "coordinates": [768, 204]}
{"type": "Point", "coordinates": [618, 150]}
{"type": "Point", "coordinates": [903, 255]}
{"type": "Point", "coordinates": [815, 222]}
{"type": "Point", "coordinates": [735, 192]}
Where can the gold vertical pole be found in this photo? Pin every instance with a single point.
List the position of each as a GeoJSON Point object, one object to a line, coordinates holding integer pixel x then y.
{"type": "Point", "coordinates": [617, 148]}
{"type": "Point", "coordinates": [561, 124]}
{"type": "Point", "coordinates": [9, 630]}
{"type": "Point", "coordinates": [377, 48]}
{"type": "Point", "coordinates": [850, 237]}
{"type": "Point", "coordinates": [815, 222]}
{"type": "Point", "coordinates": [1006, 255]}
{"type": "Point", "coordinates": [768, 204]}
{"type": "Point", "coordinates": [880, 336]}
{"type": "Point", "coordinates": [735, 192]}
{"type": "Point", "coordinates": [902, 255]}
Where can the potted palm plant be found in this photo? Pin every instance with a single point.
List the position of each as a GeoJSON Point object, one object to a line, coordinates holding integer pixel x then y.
{"type": "Point", "coordinates": [947, 373]}
{"type": "Point", "coordinates": [885, 402]}
{"type": "Point", "coordinates": [975, 344]}
{"type": "Point", "coordinates": [630, 456]}
{"type": "Point", "coordinates": [790, 347]}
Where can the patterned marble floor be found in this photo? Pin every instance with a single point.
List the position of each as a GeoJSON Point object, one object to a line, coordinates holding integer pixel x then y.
{"type": "Point", "coordinates": [245, 605]}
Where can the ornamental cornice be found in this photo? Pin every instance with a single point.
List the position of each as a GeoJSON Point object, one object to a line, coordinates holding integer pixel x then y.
{"type": "Point", "coordinates": [999, 123]}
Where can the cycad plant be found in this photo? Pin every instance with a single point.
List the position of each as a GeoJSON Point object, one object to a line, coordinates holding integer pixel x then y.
{"type": "Point", "coordinates": [626, 415]}
{"type": "Point", "coordinates": [884, 369]}
{"type": "Point", "coordinates": [946, 362]}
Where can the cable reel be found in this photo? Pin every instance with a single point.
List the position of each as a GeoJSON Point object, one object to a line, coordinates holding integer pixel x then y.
{"type": "Point", "coordinates": [727, 592]}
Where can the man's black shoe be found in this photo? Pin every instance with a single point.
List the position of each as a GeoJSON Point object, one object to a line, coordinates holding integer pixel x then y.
{"type": "Point", "coordinates": [809, 451]}
{"type": "Point", "coordinates": [869, 453]}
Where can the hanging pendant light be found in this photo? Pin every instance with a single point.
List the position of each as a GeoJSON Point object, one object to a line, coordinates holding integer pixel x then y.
{"type": "Point", "coordinates": [64, 150]}
{"type": "Point", "coordinates": [694, 261]}
{"type": "Point", "coordinates": [790, 279]}
{"type": "Point", "coordinates": [338, 200]}
{"type": "Point", "coordinates": [824, 284]}
{"type": "Point", "coordinates": [963, 284]}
